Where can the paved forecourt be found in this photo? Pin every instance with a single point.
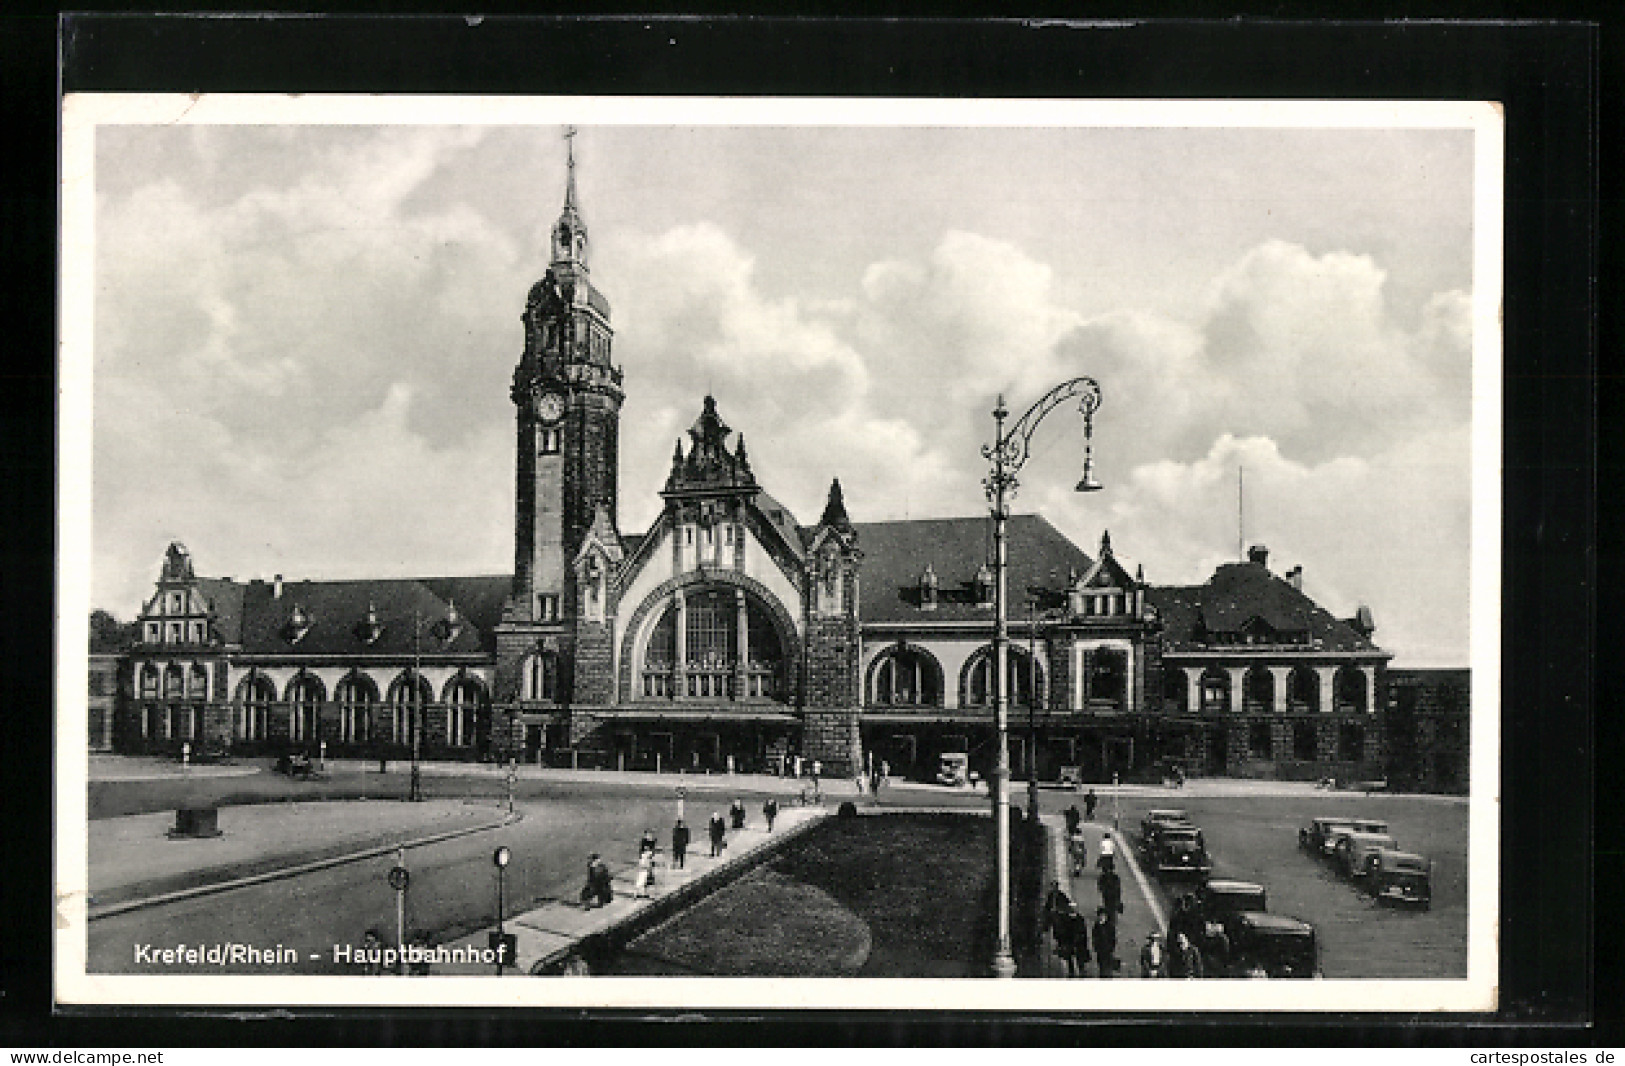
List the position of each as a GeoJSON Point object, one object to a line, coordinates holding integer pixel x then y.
{"type": "Point", "coordinates": [547, 934]}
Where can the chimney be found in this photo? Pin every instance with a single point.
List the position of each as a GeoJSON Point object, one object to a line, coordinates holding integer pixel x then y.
{"type": "Point", "coordinates": [1294, 577]}
{"type": "Point", "coordinates": [276, 587]}
{"type": "Point", "coordinates": [1259, 555]}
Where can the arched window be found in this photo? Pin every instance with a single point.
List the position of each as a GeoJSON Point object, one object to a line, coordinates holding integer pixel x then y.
{"type": "Point", "coordinates": [464, 696]}
{"type": "Point", "coordinates": [1260, 686]}
{"type": "Point", "coordinates": [355, 695]}
{"type": "Point", "coordinates": [256, 694]}
{"type": "Point", "coordinates": [539, 676]}
{"type": "Point", "coordinates": [197, 683]}
{"type": "Point", "coordinates": [174, 682]}
{"type": "Point", "coordinates": [1303, 689]}
{"type": "Point", "coordinates": [978, 685]}
{"type": "Point", "coordinates": [1215, 691]}
{"type": "Point", "coordinates": [408, 691]}
{"type": "Point", "coordinates": [714, 643]}
{"type": "Point", "coordinates": [1349, 689]}
{"type": "Point", "coordinates": [904, 676]}
{"type": "Point", "coordinates": [1105, 679]}
{"type": "Point", "coordinates": [1175, 686]}
{"type": "Point", "coordinates": [305, 695]}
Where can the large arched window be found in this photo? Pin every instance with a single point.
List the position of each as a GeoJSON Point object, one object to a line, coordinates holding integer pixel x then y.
{"type": "Point", "coordinates": [714, 643]}
{"type": "Point", "coordinates": [1349, 688]}
{"type": "Point", "coordinates": [904, 676]}
{"type": "Point", "coordinates": [1303, 689]}
{"type": "Point", "coordinates": [539, 676]}
{"type": "Point", "coordinates": [1215, 690]}
{"type": "Point", "coordinates": [406, 692]}
{"type": "Point", "coordinates": [305, 695]}
{"type": "Point", "coordinates": [256, 694]}
{"type": "Point", "coordinates": [464, 695]}
{"type": "Point", "coordinates": [977, 684]}
{"type": "Point", "coordinates": [1105, 679]}
{"type": "Point", "coordinates": [1260, 686]}
{"type": "Point", "coordinates": [356, 695]}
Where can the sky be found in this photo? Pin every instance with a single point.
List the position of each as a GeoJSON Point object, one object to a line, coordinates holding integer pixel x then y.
{"type": "Point", "coordinates": [303, 338]}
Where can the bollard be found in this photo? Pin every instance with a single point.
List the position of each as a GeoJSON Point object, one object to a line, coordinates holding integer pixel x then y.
{"type": "Point", "coordinates": [186, 752]}
{"type": "Point", "coordinates": [324, 756]}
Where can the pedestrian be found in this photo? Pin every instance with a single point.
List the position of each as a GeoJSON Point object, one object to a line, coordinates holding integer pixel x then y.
{"type": "Point", "coordinates": [1154, 957]}
{"type": "Point", "coordinates": [1183, 923]}
{"type": "Point", "coordinates": [679, 843]}
{"type": "Point", "coordinates": [737, 812]}
{"type": "Point", "coordinates": [719, 833]}
{"type": "Point", "coordinates": [1056, 904]}
{"type": "Point", "coordinates": [645, 874]}
{"type": "Point", "coordinates": [1073, 819]}
{"type": "Point", "coordinates": [1111, 892]}
{"type": "Point", "coordinates": [597, 892]}
{"type": "Point", "coordinates": [1190, 959]}
{"type": "Point", "coordinates": [770, 811]}
{"type": "Point", "coordinates": [1108, 853]}
{"type": "Point", "coordinates": [1105, 936]}
{"type": "Point", "coordinates": [372, 948]}
{"type": "Point", "coordinates": [647, 842]}
{"type": "Point", "coordinates": [1072, 940]}
{"type": "Point", "coordinates": [418, 949]}
{"type": "Point", "coordinates": [1089, 802]}
{"type": "Point", "coordinates": [1078, 849]}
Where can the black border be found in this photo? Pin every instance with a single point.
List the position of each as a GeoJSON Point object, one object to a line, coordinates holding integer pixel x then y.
{"type": "Point", "coordinates": [1545, 73]}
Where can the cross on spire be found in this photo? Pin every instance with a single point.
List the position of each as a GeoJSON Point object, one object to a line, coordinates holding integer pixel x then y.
{"type": "Point", "coordinates": [570, 149]}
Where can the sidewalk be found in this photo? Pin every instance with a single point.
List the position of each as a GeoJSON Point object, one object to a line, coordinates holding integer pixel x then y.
{"type": "Point", "coordinates": [133, 858]}
{"type": "Point", "coordinates": [1141, 910]}
{"type": "Point", "coordinates": [547, 935]}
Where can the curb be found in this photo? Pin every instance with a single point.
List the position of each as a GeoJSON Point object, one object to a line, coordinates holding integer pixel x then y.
{"type": "Point", "coordinates": [623, 930]}
{"type": "Point", "coordinates": [111, 909]}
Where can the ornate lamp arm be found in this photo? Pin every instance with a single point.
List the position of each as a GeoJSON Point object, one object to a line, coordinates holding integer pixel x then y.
{"type": "Point", "coordinates": [1013, 446]}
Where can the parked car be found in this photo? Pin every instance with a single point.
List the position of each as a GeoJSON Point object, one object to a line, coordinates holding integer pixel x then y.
{"type": "Point", "coordinates": [1317, 837]}
{"type": "Point", "coordinates": [1154, 819]}
{"type": "Point", "coordinates": [953, 769]}
{"type": "Point", "coordinates": [1219, 898]}
{"type": "Point", "coordinates": [1180, 851]}
{"type": "Point", "coordinates": [1269, 945]}
{"type": "Point", "coordinates": [1353, 849]}
{"type": "Point", "coordinates": [1400, 876]}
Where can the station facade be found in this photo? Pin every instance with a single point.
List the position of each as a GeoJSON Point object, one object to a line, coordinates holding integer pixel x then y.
{"type": "Point", "coordinates": [729, 635]}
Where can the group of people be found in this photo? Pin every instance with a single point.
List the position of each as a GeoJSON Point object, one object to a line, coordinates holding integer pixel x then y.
{"type": "Point", "coordinates": [598, 890]}
{"type": "Point", "coordinates": [1073, 931]}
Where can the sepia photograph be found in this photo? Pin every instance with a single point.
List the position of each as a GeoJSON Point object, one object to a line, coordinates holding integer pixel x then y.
{"type": "Point", "coordinates": [678, 551]}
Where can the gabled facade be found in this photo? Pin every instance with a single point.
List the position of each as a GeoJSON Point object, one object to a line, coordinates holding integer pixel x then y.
{"type": "Point", "coordinates": [729, 636]}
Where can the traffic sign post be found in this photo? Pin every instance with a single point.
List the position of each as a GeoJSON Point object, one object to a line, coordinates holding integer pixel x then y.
{"type": "Point", "coordinates": [682, 793]}
{"type": "Point", "coordinates": [513, 776]}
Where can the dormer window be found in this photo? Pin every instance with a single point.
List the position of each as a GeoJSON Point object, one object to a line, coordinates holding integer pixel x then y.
{"type": "Point", "coordinates": [928, 589]}
{"type": "Point", "coordinates": [452, 624]}
{"type": "Point", "coordinates": [298, 625]}
{"type": "Point", "coordinates": [371, 628]}
{"type": "Point", "coordinates": [154, 632]}
{"type": "Point", "coordinates": [984, 586]}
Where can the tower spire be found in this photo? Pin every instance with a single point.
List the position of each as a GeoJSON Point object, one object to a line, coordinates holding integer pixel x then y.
{"type": "Point", "coordinates": [570, 181]}
{"type": "Point", "coordinates": [570, 232]}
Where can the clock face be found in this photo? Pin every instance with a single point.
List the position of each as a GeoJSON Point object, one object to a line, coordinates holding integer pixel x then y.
{"type": "Point", "coordinates": [550, 407]}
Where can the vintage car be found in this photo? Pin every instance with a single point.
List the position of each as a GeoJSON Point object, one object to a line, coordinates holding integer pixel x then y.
{"type": "Point", "coordinates": [1179, 851]}
{"type": "Point", "coordinates": [1219, 898]}
{"type": "Point", "coordinates": [1354, 848]}
{"type": "Point", "coordinates": [1317, 836]}
{"type": "Point", "coordinates": [1155, 819]}
{"type": "Point", "coordinates": [1400, 876]}
{"type": "Point", "coordinates": [1268, 945]}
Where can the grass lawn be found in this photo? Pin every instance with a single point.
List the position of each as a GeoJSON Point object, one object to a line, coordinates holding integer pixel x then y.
{"type": "Point", "coordinates": [903, 895]}
{"type": "Point", "coordinates": [1256, 839]}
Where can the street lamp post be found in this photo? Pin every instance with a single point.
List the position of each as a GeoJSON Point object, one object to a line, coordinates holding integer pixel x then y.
{"type": "Point", "coordinates": [1008, 453]}
{"type": "Point", "coordinates": [500, 859]}
{"type": "Point", "coordinates": [1032, 708]}
{"type": "Point", "coordinates": [416, 788]}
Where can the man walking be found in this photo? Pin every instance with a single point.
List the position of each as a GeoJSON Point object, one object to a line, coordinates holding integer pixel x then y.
{"type": "Point", "coordinates": [1105, 933]}
{"type": "Point", "coordinates": [679, 843]}
{"type": "Point", "coordinates": [719, 833]}
{"type": "Point", "coordinates": [1111, 892]}
{"type": "Point", "coordinates": [1089, 801]}
{"type": "Point", "coordinates": [770, 811]}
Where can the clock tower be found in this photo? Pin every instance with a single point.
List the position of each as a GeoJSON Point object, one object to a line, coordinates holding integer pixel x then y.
{"type": "Point", "coordinates": [567, 399]}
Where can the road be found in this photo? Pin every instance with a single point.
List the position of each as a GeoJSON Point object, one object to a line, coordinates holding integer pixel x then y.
{"type": "Point", "coordinates": [452, 890]}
